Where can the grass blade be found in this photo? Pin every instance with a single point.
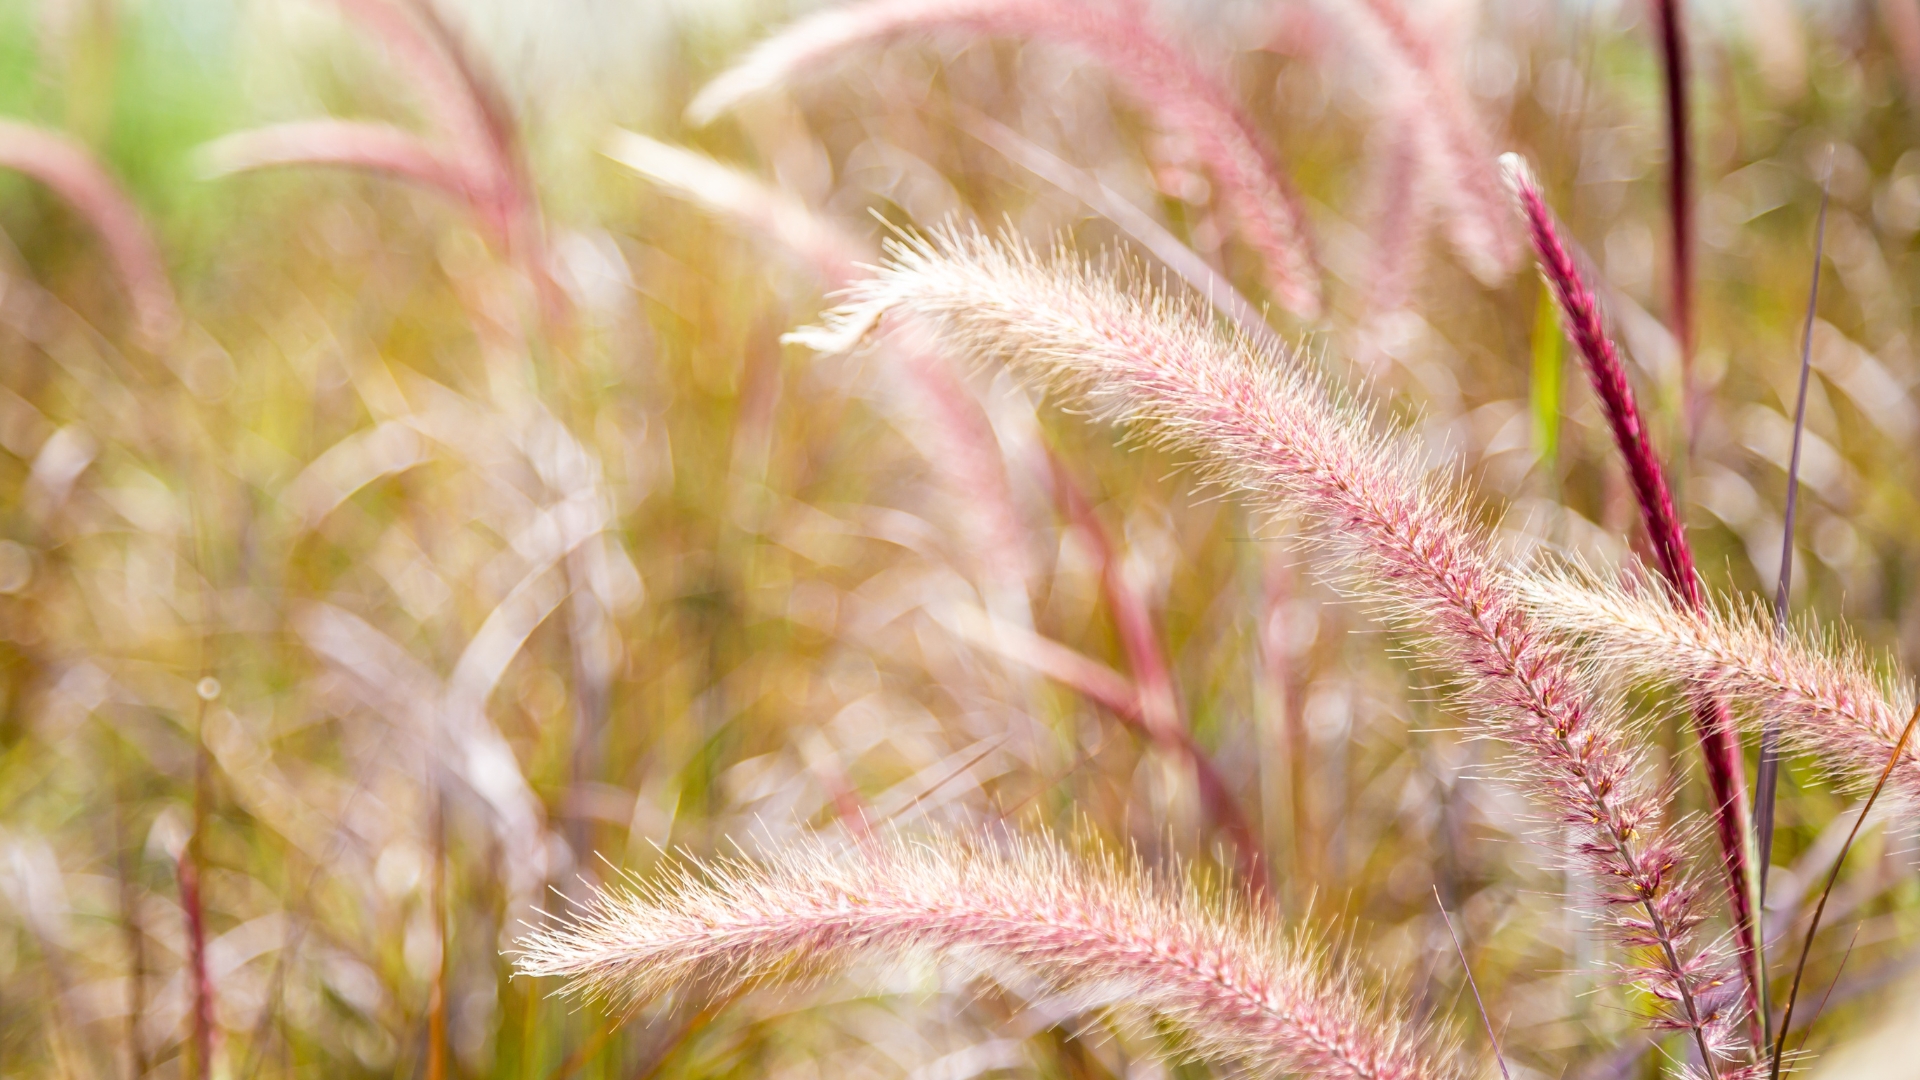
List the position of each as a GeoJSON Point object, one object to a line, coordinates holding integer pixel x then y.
{"type": "Point", "coordinates": [1543, 393]}
{"type": "Point", "coordinates": [1492, 1039]}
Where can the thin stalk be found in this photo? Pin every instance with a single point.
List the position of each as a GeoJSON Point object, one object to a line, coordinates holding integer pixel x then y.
{"type": "Point", "coordinates": [437, 900]}
{"type": "Point", "coordinates": [1161, 717]}
{"type": "Point", "coordinates": [1492, 1039]}
{"type": "Point", "coordinates": [1767, 781]}
{"type": "Point", "coordinates": [128, 865]}
{"type": "Point", "coordinates": [1828, 996]}
{"type": "Point", "coordinates": [1813, 927]}
{"type": "Point", "coordinates": [187, 872]}
{"type": "Point", "coordinates": [1673, 57]}
{"type": "Point", "coordinates": [1293, 729]}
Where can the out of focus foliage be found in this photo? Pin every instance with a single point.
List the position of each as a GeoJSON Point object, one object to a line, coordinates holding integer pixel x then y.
{"type": "Point", "coordinates": [392, 592]}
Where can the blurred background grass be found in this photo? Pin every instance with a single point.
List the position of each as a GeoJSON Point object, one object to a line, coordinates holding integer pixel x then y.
{"type": "Point", "coordinates": [387, 600]}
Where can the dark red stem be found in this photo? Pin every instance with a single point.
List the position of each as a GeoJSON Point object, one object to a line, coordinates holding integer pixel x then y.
{"type": "Point", "coordinates": [1673, 57]}
{"type": "Point", "coordinates": [202, 984]}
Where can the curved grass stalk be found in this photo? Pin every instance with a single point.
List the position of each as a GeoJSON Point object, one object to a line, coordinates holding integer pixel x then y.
{"type": "Point", "coordinates": [347, 144]}
{"type": "Point", "coordinates": [72, 173]}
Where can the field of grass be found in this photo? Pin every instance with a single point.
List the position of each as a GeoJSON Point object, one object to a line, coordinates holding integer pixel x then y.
{"type": "Point", "coordinates": [439, 527]}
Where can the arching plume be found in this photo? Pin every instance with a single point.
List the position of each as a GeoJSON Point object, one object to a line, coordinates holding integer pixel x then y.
{"type": "Point", "coordinates": [1096, 929]}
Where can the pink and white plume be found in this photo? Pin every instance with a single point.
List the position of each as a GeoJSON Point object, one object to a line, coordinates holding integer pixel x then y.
{"type": "Point", "coordinates": [1832, 702]}
{"type": "Point", "coordinates": [1094, 929]}
{"type": "Point", "coordinates": [1444, 131]}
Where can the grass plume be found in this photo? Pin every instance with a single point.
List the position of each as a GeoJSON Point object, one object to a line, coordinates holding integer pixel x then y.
{"type": "Point", "coordinates": [1098, 929]}
{"type": "Point", "coordinates": [72, 173]}
{"type": "Point", "coordinates": [1439, 127]}
{"type": "Point", "coordinates": [1824, 695]}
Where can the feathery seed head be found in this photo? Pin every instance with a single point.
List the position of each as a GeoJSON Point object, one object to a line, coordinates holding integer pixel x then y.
{"type": "Point", "coordinates": [1826, 695]}
{"type": "Point", "coordinates": [1580, 315]}
{"type": "Point", "coordinates": [1093, 927]}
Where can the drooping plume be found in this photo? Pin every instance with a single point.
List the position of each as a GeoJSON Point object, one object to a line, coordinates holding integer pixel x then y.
{"type": "Point", "coordinates": [1268, 430]}
{"type": "Point", "coordinates": [1825, 695]}
{"type": "Point", "coordinates": [1179, 93]}
{"type": "Point", "coordinates": [1095, 929]}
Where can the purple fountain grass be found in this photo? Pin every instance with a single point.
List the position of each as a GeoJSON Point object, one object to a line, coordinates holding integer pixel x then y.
{"type": "Point", "coordinates": [1400, 215]}
{"type": "Point", "coordinates": [200, 981]}
{"type": "Point", "coordinates": [1673, 556]}
{"type": "Point", "coordinates": [1095, 929]}
{"type": "Point", "coordinates": [1455, 154]}
{"type": "Point", "coordinates": [465, 105]}
{"type": "Point", "coordinates": [1271, 431]}
{"type": "Point", "coordinates": [1581, 316]}
{"type": "Point", "coordinates": [824, 249]}
{"type": "Point", "coordinates": [1823, 693]}
{"type": "Point", "coordinates": [442, 89]}
{"type": "Point", "coordinates": [1180, 94]}
{"type": "Point", "coordinates": [66, 167]}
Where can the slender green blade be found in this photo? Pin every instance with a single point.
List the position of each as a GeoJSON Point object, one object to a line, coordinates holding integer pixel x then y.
{"type": "Point", "coordinates": [1549, 349]}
